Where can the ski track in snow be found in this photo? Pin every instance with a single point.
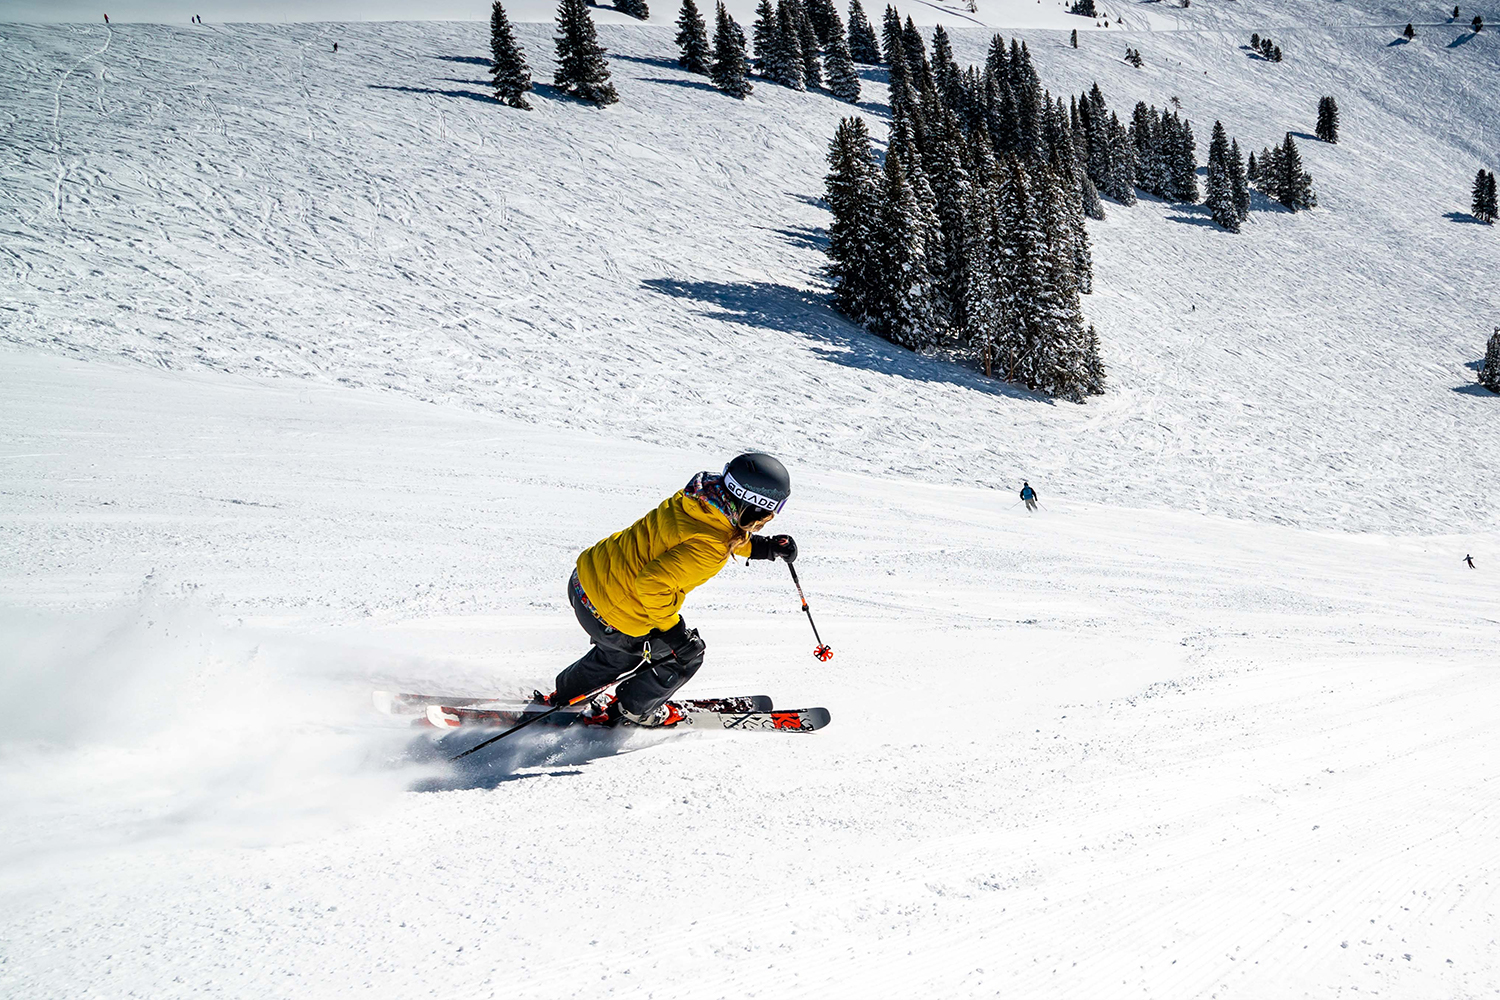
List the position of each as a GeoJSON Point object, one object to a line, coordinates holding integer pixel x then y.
{"type": "Point", "coordinates": [1126, 746]}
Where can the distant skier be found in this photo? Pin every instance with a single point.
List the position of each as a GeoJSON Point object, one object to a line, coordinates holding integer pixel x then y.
{"type": "Point", "coordinates": [335, 46]}
{"type": "Point", "coordinates": [626, 590]}
{"type": "Point", "coordinates": [1028, 494]}
{"type": "Point", "coordinates": [1470, 560]}
{"type": "Point", "coordinates": [106, 18]}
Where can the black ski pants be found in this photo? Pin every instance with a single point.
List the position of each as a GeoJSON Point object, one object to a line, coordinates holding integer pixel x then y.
{"type": "Point", "coordinates": [613, 653]}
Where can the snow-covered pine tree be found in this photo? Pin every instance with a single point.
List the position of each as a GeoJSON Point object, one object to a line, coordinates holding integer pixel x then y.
{"type": "Point", "coordinates": [783, 63]}
{"type": "Point", "coordinates": [1296, 184]}
{"type": "Point", "coordinates": [863, 46]}
{"type": "Point", "coordinates": [1489, 373]}
{"type": "Point", "coordinates": [1477, 24]}
{"type": "Point", "coordinates": [1328, 120]}
{"type": "Point", "coordinates": [1238, 182]}
{"type": "Point", "coordinates": [916, 59]}
{"type": "Point", "coordinates": [996, 62]}
{"type": "Point", "coordinates": [692, 39]}
{"type": "Point", "coordinates": [890, 32]}
{"type": "Point", "coordinates": [637, 9]}
{"type": "Point", "coordinates": [1491, 203]}
{"type": "Point", "coordinates": [853, 191]}
{"type": "Point", "coordinates": [822, 15]}
{"type": "Point", "coordinates": [807, 41]}
{"type": "Point", "coordinates": [1058, 359]}
{"type": "Point", "coordinates": [1220, 197]}
{"type": "Point", "coordinates": [1122, 166]}
{"type": "Point", "coordinates": [1252, 170]}
{"type": "Point", "coordinates": [950, 183]}
{"type": "Point", "coordinates": [1073, 39]}
{"type": "Point", "coordinates": [945, 72]}
{"type": "Point", "coordinates": [1026, 86]}
{"type": "Point", "coordinates": [730, 70]}
{"type": "Point", "coordinates": [1255, 41]}
{"type": "Point", "coordinates": [1085, 8]}
{"type": "Point", "coordinates": [582, 71]}
{"type": "Point", "coordinates": [978, 296]}
{"type": "Point", "coordinates": [1185, 164]}
{"type": "Point", "coordinates": [842, 77]}
{"type": "Point", "coordinates": [1482, 204]}
{"type": "Point", "coordinates": [1276, 53]}
{"type": "Point", "coordinates": [1145, 127]}
{"type": "Point", "coordinates": [510, 73]}
{"type": "Point", "coordinates": [906, 318]}
{"type": "Point", "coordinates": [766, 31]}
{"type": "Point", "coordinates": [1094, 375]}
{"type": "Point", "coordinates": [1410, 32]}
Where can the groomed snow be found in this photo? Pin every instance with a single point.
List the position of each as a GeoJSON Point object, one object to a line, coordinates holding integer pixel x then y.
{"type": "Point", "coordinates": [317, 373]}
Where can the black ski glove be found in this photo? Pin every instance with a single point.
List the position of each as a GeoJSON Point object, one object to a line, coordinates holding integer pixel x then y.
{"type": "Point", "coordinates": [775, 547]}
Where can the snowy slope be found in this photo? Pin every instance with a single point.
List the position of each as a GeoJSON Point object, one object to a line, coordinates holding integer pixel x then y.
{"type": "Point", "coordinates": [1091, 752]}
{"type": "Point", "coordinates": [240, 198]}
{"type": "Point", "coordinates": [317, 373]}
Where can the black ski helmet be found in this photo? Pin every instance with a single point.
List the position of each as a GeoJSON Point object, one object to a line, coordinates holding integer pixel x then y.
{"type": "Point", "coordinates": [759, 484]}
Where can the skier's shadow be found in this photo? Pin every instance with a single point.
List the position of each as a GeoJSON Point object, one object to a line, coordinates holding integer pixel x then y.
{"type": "Point", "coordinates": [560, 751]}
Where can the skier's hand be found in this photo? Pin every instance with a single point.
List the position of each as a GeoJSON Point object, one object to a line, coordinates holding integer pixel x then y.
{"type": "Point", "coordinates": [783, 548]}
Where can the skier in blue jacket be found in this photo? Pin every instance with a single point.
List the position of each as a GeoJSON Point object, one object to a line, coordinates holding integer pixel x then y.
{"type": "Point", "coordinates": [1028, 494]}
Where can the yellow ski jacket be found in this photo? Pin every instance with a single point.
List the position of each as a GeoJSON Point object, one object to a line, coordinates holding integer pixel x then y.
{"type": "Point", "coordinates": [638, 578]}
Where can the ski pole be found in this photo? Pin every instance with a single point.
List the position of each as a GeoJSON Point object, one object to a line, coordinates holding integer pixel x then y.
{"type": "Point", "coordinates": [822, 651]}
{"type": "Point", "coordinates": [645, 659]}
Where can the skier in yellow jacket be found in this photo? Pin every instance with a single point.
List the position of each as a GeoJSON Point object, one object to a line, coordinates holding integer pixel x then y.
{"type": "Point", "coordinates": [628, 589]}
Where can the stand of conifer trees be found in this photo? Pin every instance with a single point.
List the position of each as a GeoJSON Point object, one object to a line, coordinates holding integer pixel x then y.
{"type": "Point", "coordinates": [971, 236]}
{"type": "Point", "coordinates": [694, 54]}
{"type": "Point", "coordinates": [582, 70]}
{"type": "Point", "coordinates": [1280, 175]}
{"type": "Point", "coordinates": [731, 70]}
{"type": "Point", "coordinates": [802, 44]}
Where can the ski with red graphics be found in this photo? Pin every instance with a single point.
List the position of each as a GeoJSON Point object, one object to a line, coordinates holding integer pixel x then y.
{"type": "Point", "coordinates": [802, 720]}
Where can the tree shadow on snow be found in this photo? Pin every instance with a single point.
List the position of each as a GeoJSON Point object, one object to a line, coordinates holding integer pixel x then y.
{"type": "Point", "coordinates": [1194, 220]}
{"type": "Point", "coordinates": [1462, 39]}
{"type": "Point", "coordinates": [471, 95]}
{"type": "Point", "coordinates": [1462, 217]}
{"type": "Point", "coordinates": [690, 84]}
{"type": "Point", "coordinates": [1304, 136]}
{"type": "Point", "coordinates": [563, 751]}
{"type": "Point", "coordinates": [803, 236]}
{"type": "Point", "coordinates": [1475, 389]}
{"type": "Point", "coordinates": [766, 305]}
{"type": "Point", "coordinates": [656, 61]}
{"type": "Point", "coordinates": [1397, 41]}
{"type": "Point", "coordinates": [470, 60]}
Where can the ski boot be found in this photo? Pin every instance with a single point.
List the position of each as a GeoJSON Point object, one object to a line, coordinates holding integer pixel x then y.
{"type": "Point", "coordinates": [667, 714]}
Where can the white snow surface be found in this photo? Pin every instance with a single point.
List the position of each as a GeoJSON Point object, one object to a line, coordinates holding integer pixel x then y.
{"type": "Point", "coordinates": [317, 371]}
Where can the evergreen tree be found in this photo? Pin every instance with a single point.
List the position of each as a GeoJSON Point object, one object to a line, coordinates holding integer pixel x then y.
{"type": "Point", "coordinates": [1121, 182]}
{"type": "Point", "coordinates": [1483, 203]}
{"type": "Point", "coordinates": [1477, 24]}
{"type": "Point", "coordinates": [1410, 32]}
{"type": "Point", "coordinates": [582, 70]}
{"type": "Point", "coordinates": [822, 14]}
{"type": "Point", "coordinates": [1220, 197]}
{"type": "Point", "coordinates": [1084, 7]}
{"type": "Point", "coordinates": [855, 199]}
{"type": "Point", "coordinates": [843, 78]}
{"type": "Point", "coordinates": [730, 69]}
{"type": "Point", "coordinates": [1184, 163]}
{"type": "Point", "coordinates": [1073, 39]}
{"type": "Point", "coordinates": [1238, 182]}
{"type": "Point", "coordinates": [1252, 171]}
{"type": "Point", "coordinates": [863, 47]}
{"type": "Point", "coordinates": [945, 72]}
{"type": "Point", "coordinates": [1296, 185]}
{"type": "Point", "coordinates": [1276, 53]}
{"type": "Point", "coordinates": [511, 74]}
{"type": "Point", "coordinates": [692, 39]}
{"type": "Point", "coordinates": [807, 41]}
{"type": "Point", "coordinates": [1093, 366]}
{"type": "Point", "coordinates": [1255, 41]}
{"type": "Point", "coordinates": [1328, 120]}
{"type": "Point", "coordinates": [907, 317]}
{"type": "Point", "coordinates": [783, 62]}
{"type": "Point", "coordinates": [635, 8]}
{"type": "Point", "coordinates": [890, 34]}
{"type": "Point", "coordinates": [766, 31]}
{"type": "Point", "coordinates": [1489, 374]}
